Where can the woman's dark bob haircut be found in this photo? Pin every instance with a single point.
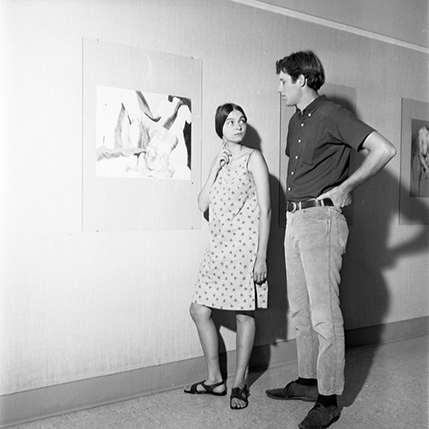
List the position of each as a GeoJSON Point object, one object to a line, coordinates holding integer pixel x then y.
{"type": "Point", "coordinates": [222, 113]}
{"type": "Point", "coordinates": [304, 63]}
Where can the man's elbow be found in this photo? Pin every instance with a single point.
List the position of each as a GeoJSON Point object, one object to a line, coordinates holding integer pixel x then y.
{"type": "Point", "coordinates": [390, 152]}
{"type": "Point", "coordinates": [380, 145]}
{"type": "Point", "coordinates": [386, 149]}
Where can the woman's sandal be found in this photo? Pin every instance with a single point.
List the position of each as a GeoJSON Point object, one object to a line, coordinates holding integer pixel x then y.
{"type": "Point", "coordinates": [208, 389]}
{"type": "Point", "coordinates": [242, 394]}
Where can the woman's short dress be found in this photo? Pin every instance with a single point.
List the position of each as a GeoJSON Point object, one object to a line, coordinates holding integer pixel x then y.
{"type": "Point", "coordinates": [225, 280]}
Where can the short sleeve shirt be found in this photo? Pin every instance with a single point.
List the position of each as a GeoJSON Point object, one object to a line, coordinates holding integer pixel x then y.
{"type": "Point", "coordinates": [319, 142]}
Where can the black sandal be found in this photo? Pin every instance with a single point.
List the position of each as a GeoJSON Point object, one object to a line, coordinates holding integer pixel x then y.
{"type": "Point", "coordinates": [208, 389]}
{"type": "Point", "coordinates": [242, 394]}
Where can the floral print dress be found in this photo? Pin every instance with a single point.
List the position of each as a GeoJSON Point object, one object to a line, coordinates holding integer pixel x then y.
{"type": "Point", "coordinates": [225, 280]}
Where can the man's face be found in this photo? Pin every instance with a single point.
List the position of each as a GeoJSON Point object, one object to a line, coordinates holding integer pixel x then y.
{"type": "Point", "coordinates": [290, 91]}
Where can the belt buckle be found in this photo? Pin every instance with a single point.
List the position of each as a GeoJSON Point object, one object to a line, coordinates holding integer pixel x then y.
{"type": "Point", "coordinates": [295, 206]}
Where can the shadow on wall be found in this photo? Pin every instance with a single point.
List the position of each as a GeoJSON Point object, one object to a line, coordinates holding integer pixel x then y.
{"type": "Point", "coordinates": [365, 297]}
{"type": "Point", "coordinates": [271, 322]}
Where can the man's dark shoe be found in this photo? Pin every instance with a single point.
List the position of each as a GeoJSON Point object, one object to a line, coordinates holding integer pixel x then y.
{"type": "Point", "coordinates": [294, 391]}
{"type": "Point", "coordinates": [320, 417]}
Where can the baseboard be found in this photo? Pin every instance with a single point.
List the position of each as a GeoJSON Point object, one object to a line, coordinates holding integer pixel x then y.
{"type": "Point", "coordinates": [387, 333]}
{"type": "Point", "coordinates": [36, 404]}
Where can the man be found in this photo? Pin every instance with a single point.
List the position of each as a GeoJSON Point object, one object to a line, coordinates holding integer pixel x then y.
{"type": "Point", "coordinates": [320, 137]}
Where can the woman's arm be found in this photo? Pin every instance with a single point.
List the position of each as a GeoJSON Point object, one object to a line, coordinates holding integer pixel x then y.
{"type": "Point", "coordinates": [219, 161]}
{"type": "Point", "coordinates": [258, 167]}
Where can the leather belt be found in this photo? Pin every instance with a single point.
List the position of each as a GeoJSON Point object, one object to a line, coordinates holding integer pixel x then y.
{"type": "Point", "coordinates": [293, 206]}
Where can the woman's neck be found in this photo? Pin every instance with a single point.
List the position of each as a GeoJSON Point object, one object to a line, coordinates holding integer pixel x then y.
{"type": "Point", "coordinates": [234, 148]}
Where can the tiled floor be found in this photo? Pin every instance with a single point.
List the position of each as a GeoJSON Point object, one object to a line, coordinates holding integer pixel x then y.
{"type": "Point", "coordinates": [386, 388]}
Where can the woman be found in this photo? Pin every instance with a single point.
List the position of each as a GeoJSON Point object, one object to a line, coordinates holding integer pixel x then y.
{"type": "Point", "coordinates": [234, 269]}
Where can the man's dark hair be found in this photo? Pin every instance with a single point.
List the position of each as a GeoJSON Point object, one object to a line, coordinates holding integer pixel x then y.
{"type": "Point", "coordinates": [304, 63]}
{"type": "Point", "coordinates": [222, 113]}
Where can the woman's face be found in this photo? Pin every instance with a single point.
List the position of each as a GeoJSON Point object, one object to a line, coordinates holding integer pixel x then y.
{"type": "Point", "coordinates": [234, 128]}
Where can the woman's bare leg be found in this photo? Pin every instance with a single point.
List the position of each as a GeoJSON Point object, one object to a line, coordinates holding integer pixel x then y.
{"type": "Point", "coordinates": [202, 316]}
{"type": "Point", "coordinates": [246, 329]}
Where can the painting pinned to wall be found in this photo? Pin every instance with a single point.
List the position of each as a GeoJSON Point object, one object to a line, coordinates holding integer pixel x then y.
{"type": "Point", "coordinates": [141, 139]}
{"type": "Point", "coordinates": [414, 197]}
{"type": "Point", "coordinates": [419, 177]}
{"type": "Point", "coordinates": [143, 135]}
{"type": "Point", "coordinates": [340, 94]}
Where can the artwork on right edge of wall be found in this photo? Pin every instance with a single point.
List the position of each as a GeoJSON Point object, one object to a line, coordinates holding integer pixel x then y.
{"type": "Point", "coordinates": [414, 187]}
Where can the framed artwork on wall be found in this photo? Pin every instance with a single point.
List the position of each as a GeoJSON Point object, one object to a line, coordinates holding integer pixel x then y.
{"type": "Point", "coordinates": [414, 188]}
{"type": "Point", "coordinates": [141, 139]}
{"type": "Point", "coordinates": [143, 135]}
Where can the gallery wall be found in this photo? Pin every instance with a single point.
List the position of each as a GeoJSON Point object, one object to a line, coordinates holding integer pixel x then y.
{"type": "Point", "coordinates": [79, 304]}
{"type": "Point", "coordinates": [406, 21]}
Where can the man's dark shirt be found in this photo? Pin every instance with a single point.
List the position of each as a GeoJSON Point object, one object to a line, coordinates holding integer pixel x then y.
{"type": "Point", "coordinates": [318, 146]}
